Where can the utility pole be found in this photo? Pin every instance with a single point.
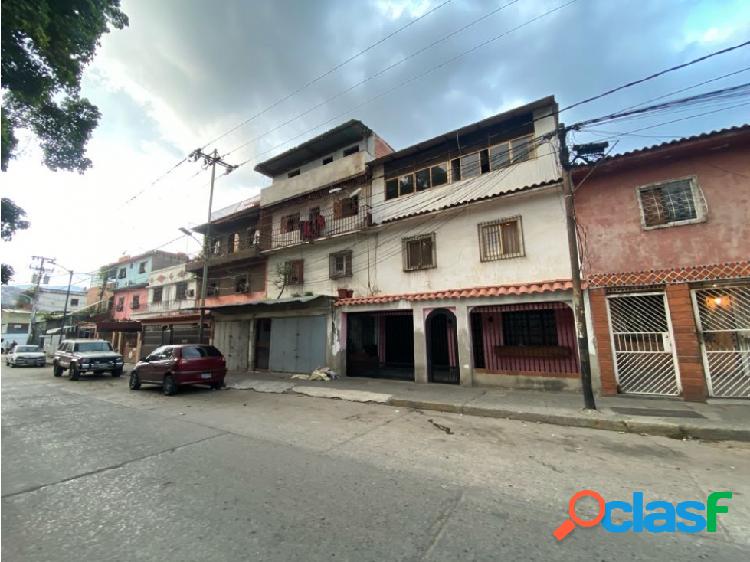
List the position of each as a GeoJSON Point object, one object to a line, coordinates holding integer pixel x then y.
{"type": "Point", "coordinates": [40, 271]}
{"type": "Point", "coordinates": [210, 160]}
{"type": "Point", "coordinates": [67, 298]}
{"type": "Point", "coordinates": [575, 268]}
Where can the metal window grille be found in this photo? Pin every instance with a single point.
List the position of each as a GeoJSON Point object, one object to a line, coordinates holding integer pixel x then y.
{"type": "Point", "coordinates": [670, 202]}
{"type": "Point", "coordinates": [641, 344]}
{"type": "Point", "coordinates": [157, 295]}
{"type": "Point", "coordinates": [295, 270]}
{"type": "Point", "coordinates": [500, 239]}
{"type": "Point", "coordinates": [723, 318]}
{"type": "Point", "coordinates": [419, 252]}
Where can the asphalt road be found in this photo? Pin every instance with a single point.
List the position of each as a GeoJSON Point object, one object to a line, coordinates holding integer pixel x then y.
{"type": "Point", "coordinates": [93, 471]}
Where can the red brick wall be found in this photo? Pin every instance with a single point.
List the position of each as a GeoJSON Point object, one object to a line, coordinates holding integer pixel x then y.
{"type": "Point", "coordinates": [686, 342]}
{"type": "Point", "coordinates": [600, 323]}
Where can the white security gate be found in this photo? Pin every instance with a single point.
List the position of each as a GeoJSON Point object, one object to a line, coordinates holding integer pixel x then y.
{"type": "Point", "coordinates": [642, 344]}
{"type": "Point", "coordinates": [723, 318]}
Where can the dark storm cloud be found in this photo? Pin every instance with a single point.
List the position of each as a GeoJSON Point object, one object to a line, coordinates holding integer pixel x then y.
{"type": "Point", "coordinates": [217, 63]}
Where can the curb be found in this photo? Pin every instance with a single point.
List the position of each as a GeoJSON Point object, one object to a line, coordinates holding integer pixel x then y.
{"type": "Point", "coordinates": [622, 425]}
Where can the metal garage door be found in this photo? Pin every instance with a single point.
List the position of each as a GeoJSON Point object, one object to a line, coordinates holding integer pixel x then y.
{"type": "Point", "coordinates": [298, 344]}
{"type": "Point", "coordinates": [723, 315]}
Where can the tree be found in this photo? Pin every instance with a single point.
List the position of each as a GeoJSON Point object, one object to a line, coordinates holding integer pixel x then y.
{"type": "Point", "coordinates": [46, 44]}
{"type": "Point", "coordinates": [12, 220]}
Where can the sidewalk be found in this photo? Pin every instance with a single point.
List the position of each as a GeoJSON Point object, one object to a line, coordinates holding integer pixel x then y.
{"type": "Point", "coordinates": [716, 420]}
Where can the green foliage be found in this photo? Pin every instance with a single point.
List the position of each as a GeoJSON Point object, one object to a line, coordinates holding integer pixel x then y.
{"type": "Point", "coordinates": [8, 273]}
{"type": "Point", "coordinates": [12, 219]}
{"type": "Point", "coordinates": [46, 44]}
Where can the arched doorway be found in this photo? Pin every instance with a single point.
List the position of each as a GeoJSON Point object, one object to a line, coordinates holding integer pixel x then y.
{"type": "Point", "coordinates": [442, 347]}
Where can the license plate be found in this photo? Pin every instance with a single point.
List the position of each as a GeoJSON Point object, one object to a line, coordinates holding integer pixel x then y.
{"type": "Point", "coordinates": [206, 375]}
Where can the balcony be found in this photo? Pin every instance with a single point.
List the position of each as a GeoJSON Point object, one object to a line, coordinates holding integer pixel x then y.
{"type": "Point", "coordinates": [246, 251]}
{"type": "Point", "coordinates": [291, 231]}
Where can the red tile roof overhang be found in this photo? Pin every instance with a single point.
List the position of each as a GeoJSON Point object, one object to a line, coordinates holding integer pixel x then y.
{"type": "Point", "coordinates": [471, 293]}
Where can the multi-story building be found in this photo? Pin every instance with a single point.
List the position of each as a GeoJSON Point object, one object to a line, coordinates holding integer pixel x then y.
{"type": "Point", "coordinates": [168, 313]}
{"type": "Point", "coordinates": [667, 261]}
{"type": "Point", "coordinates": [316, 204]}
{"type": "Point", "coordinates": [464, 275]}
{"type": "Point", "coordinates": [127, 280]}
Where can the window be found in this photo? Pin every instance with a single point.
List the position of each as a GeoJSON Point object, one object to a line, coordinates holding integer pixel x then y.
{"type": "Point", "coordinates": [120, 304]}
{"type": "Point", "coordinates": [294, 272]}
{"type": "Point", "coordinates": [73, 302]}
{"type": "Point", "coordinates": [240, 284]}
{"type": "Point", "coordinates": [509, 152]}
{"type": "Point", "coordinates": [351, 150]}
{"type": "Point", "coordinates": [391, 188]}
{"type": "Point", "coordinates": [470, 166]}
{"type": "Point", "coordinates": [340, 264]}
{"type": "Point", "coordinates": [136, 302]}
{"type": "Point", "coordinates": [156, 294]}
{"type": "Point", "coordinates": [422, 178]}
{"type": "Point", "coordinates": [290, 223]}
{"type": "Point", "coordinates": [216, 247]}
{"type": "Point", "coordinates": [327, 160]}
{"type": "Point", "coordinates": [142, 267]}
{"type": "Point", "coordinates": [529, 327]}
{"type": "Point", "coordinates": [346, 207]}
{"type": "Point", "coordinates": [500, 239]}
{"type": "Point", "coordinates": [180, 290]}
{"type": "Point", "coordinates": [196, 352]}
{"type": "Point", "coordinates": [456, 169]}
{"type": "Point", "coordinates": [213, 288]}
{"type": "Point", "coordinates": [406, 184]}
{"type": "Point", "coordinates": [122, 273]}
{"type": "Point", "coordinates": [419, 252]}
{"type": "Point", "coordinates": [670, 202]}
{"type": "Point", "coordinates": [439, 175]}
{"type": "Point", "coordinates": [293, 173]}
{"type": "Point", "coordinates": [92, 346]}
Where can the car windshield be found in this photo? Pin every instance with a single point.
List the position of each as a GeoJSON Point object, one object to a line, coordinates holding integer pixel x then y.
{"type": "Point", "coordinates": [93, 346]}
{"type": "Point", "coordinates": [26, 348]}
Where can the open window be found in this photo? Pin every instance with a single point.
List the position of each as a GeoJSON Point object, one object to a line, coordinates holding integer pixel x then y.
{"type": "Point", "coordinates": [346, 207]}
{"type": "Point", "coordinates": [671, 203]}
{"type": "Point", "coordinates": [351, 150]}
{"type": "Point", "coordinates": [289, 223]}
{"type": "Point", "coordinates": [156, 294]}
{"type": "Point", "coordinates": [340, 264]}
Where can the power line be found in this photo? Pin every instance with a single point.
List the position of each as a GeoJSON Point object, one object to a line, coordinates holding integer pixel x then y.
{"type": "Point", "coordinates": [327, 73]}
{"type": "Point", "coordinates": [655, 75]}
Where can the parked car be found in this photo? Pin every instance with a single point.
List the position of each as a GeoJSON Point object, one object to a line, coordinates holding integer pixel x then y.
{"type": "Point", "coordinates": [22, 355]}
{"type": "Point", "coordinates": [86, 356]}
{"type": "Point", "coordinates": [172, 366]}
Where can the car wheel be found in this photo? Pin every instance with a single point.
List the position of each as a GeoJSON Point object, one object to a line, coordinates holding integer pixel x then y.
{"type": "Point", "coordinates": [216, 386]}
{"type": "Point", "coordinates": [116, 372]}
{"type": "Point", "coordinates": [12, 365]}
{"type": "Point", "coordinates": [135, 381]}
{"type": "Point", "coordinates": [57, 370]}
{"type": "Point", "coordinates": [169, 387]}
{"type": "Point", "coordinates": [74, 374]}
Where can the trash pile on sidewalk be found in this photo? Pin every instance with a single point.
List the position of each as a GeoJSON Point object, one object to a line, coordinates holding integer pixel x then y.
{"type": "Point", "coordinates": [320, 374]}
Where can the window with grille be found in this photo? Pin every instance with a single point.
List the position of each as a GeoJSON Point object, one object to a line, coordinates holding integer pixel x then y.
{"type": "Point", "coordinates": [346, 207]}
{"type": "Point", "coordinates": [156, 295]}
{"type": "Point", "coordinates": [419, 252]}
{"type": "Point", "coordinates": [671, 202]}
{"type": "Point", "coordinates": [529, 327]}
{"type": "Point", "coordinates": [136, 304]}
{"type": "Point", "coordinates": [501, 239]}
{"type": "Point", "coordinates": [120, 304]}
{"type": "Point", "coordinates": [294, 272]}
{"type": "Point", "coordinates": [240, 284]}
{"type": "Point", "coordinates": [340, 264]}
{"type": "Point", "coordinates": [73, 302]}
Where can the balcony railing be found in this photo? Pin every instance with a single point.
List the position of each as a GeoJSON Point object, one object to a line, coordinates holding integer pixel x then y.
{"type": "Point", "coordinates": [170, 305]}
{"type": "Point", "coordinates": [323, 225]}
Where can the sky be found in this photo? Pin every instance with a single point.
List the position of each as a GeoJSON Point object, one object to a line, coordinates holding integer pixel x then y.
{"type": "Point", "coordinates": [186, 71]}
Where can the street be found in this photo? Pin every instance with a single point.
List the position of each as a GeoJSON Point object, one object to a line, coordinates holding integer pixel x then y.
{"type": "Point", "coordinates": [93, 471]}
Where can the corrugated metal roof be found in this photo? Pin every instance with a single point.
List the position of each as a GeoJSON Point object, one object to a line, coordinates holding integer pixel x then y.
{"type": "Point", "coordinates": [474, 292]}
{"type": "Point", "coordinates": [672, 143]}
{"type": "Point", "coordinates": [272, 302]}
{"type": "Point", "coordinates": [540, 172]}
{"type": "Point", "coordinates": [235, 208]}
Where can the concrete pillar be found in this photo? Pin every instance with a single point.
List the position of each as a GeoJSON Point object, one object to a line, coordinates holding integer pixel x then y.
{"type": "Point", "coordinates": [687, 346]}
{"type": "Point", "coordinates": [420, 345]}
{"type": "Point", "coordinates": [465, 356]}
{"type": "Point", "coordinates": [603, 340]}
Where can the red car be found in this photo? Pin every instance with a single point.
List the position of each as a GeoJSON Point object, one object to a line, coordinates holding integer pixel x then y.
{"type": "Point", "coordinates": [172, 366]}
